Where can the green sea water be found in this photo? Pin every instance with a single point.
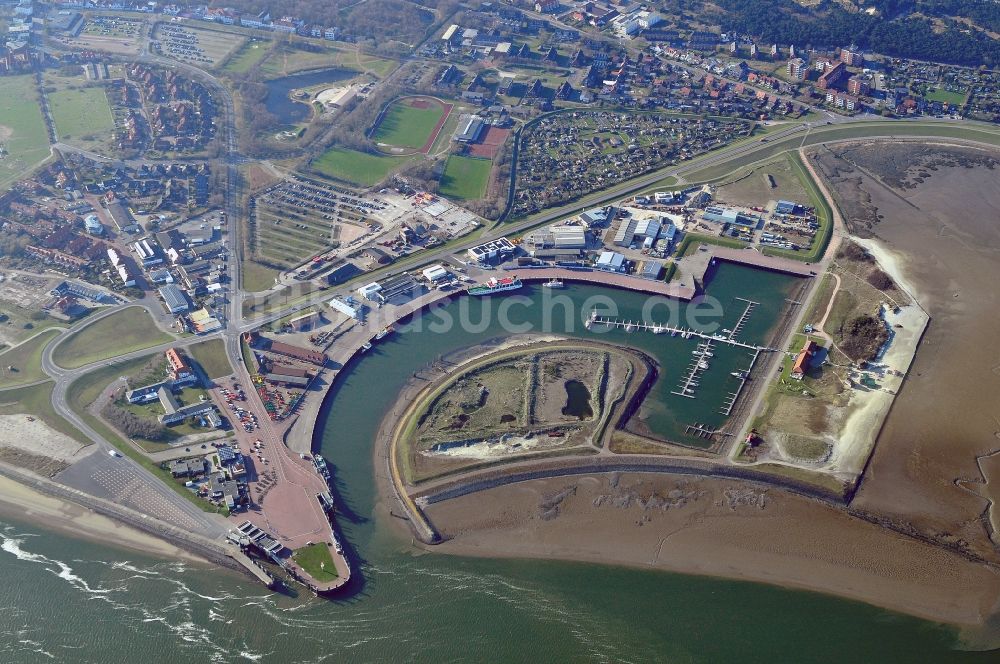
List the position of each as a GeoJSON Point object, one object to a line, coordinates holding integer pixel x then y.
{"type": "Point", "coordinates": [66, 600]}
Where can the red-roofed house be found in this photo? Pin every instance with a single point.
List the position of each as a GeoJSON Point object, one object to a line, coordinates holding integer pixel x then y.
{"type": "Point", "coordinates": [803, 360]}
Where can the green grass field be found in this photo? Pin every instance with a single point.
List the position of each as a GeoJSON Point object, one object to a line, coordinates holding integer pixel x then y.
{"type": "Point", "coordinates": [381, 67]}
{"type": "Point", "coordinates": [249, 55]}
{"type": "Point", "coordinates": [247, 356]}
{"type": "Point", "coordinates": [404, 126]}
{"type": "Point", "coordinates": [26, 360]}
{"type": "Point", "coordinates": [692, 241]}
{"type": "Point", "coordinates": [123, 332]}
{"type": "Point", "coordinates": [211, 355]}
{"type": "Point", "coordinates": [24, 141]}
{"type": "Point", "coordinates": [317, 561]}
{"type": "Point", "coordinates": [465, 177]}
{"type": "Point", "coordinates": [80, 112]}
{"type": "Point", "coordinates": [256, 277]}
{"type": "Point", "coordinates": [357, 167]}
{"type": "Point", "coordinates": [945, 96]}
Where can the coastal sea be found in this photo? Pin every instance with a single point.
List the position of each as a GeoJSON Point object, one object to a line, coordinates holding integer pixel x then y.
{"type": "Point", "coordinates": [69, 600]}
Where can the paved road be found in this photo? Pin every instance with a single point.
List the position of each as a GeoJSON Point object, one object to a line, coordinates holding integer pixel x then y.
{"type": "Point", "coordinates": [121, 478]}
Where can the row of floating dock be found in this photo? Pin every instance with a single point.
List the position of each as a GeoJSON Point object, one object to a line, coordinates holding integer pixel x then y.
{"type": "Point", "coordinates": [701, 355]}
{"type": "Point", "coordinates": [741, 323]}
{"type": "Point", "coordinates": [699, 364]}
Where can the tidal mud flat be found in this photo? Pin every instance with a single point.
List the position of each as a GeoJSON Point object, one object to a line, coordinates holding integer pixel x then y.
{"type": "Point", "coordinates": [936, 208]}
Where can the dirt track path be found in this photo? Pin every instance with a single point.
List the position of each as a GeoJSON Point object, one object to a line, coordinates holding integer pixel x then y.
{"type": "Point", "coordinates": [820, 327]}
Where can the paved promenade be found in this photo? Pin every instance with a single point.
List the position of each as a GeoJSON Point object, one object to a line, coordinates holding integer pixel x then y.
{"type": "Point", "coordinates": [608, 279]}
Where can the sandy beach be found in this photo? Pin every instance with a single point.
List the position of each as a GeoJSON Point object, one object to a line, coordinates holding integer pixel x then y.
{"type": "Point", "coordinates": [24, 504]}
{"type": "Point", "coordinates": [867, 410]}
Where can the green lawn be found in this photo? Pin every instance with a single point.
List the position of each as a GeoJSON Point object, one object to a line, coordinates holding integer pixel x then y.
{"type": "Point", "coordinates": [256, 277]}
{"type": "Point", "coordinates": [317, 561]}
{"type": "Point", "coordinates": [407, 127]}
{"type": "Point", "coordinates": [123, 332]}
{"type": "Point", "coordinates": [465, 177]}
{"type": "Point", "coordinates": [26, 359]}
{"type": "Point", "coordinates": [381, 67]}
{"type": "Point", "coordinates": [24, 141]}
{"type": "Point", "coordinates": [945, 96]}
{"type": "Point", "coordinates": [357, 167]}
{"type": "Point", "coordinates": [81, 112]}
{"type": "Point", "coordinates": [249, 55]}
{"type": "Point", "coordinates": [287, 59]}
{"type": "Point", "coordinates": [247, 354]}
{"type": "Point", "coordinates": [211, 355]}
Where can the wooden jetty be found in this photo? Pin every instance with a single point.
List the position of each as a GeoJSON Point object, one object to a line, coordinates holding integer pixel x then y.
{"type": "Point", "coordinates": [699, 430]}
{"type": "Point", "coordinates": [698, 366]}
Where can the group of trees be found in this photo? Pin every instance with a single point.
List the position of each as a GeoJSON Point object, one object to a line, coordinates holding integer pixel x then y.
{"type": "Point", "coordinates": [984, 14]}
{"type": "Point", "coordinates": [880, 280]}
{"type": "Point", "coordinates": [132, 425]}
{"type": "Point", "coordinates": [380, 21]}
{"type": "Point", "coordinates": [862, 337]}
{"type": "Point", "coordinates": [12, 244]}
{"type": "Point", "coordinates": [893, 30]}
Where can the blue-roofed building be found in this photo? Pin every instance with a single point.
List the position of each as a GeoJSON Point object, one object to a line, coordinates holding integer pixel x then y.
{"type": "Point", "coordinates": [174, 298]}
{"type": "Point", "coordinates": [226, 455]}
{"type": "Point", "coordinates": [787, 207]}
{"type": "Point", "coordinates": [470, 128]}
{"type": "Point", "coordinates": [650, 270]}
{"type": "Point", "coordinates": [595, 217]}
{"type": "Point", "coordinates": [668, 232]}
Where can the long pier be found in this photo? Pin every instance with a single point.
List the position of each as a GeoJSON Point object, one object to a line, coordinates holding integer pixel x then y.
{"type": "Point", "coordinates": [657, 328]}
{"type": "Point", "coordinates": [699, 364]}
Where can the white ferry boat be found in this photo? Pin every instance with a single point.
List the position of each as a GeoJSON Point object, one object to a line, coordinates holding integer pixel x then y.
{"type": "Point", "coordinates": [495, 285]}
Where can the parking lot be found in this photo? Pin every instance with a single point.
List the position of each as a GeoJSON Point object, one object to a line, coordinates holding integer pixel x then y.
{"type": "Point", "coordinates": [235, 407]}
{"type": "Point", "coordinates": [299, 218]}
{"type": "Point", "coordinates": [282, 485]}
{"type": "Point", "coordinates": [194, 45]}
{"type": "Point", "coordinates": [109, 33]}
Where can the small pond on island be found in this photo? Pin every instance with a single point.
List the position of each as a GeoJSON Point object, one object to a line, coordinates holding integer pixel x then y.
{"type": "Point", "coordinates": [577, 400]}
